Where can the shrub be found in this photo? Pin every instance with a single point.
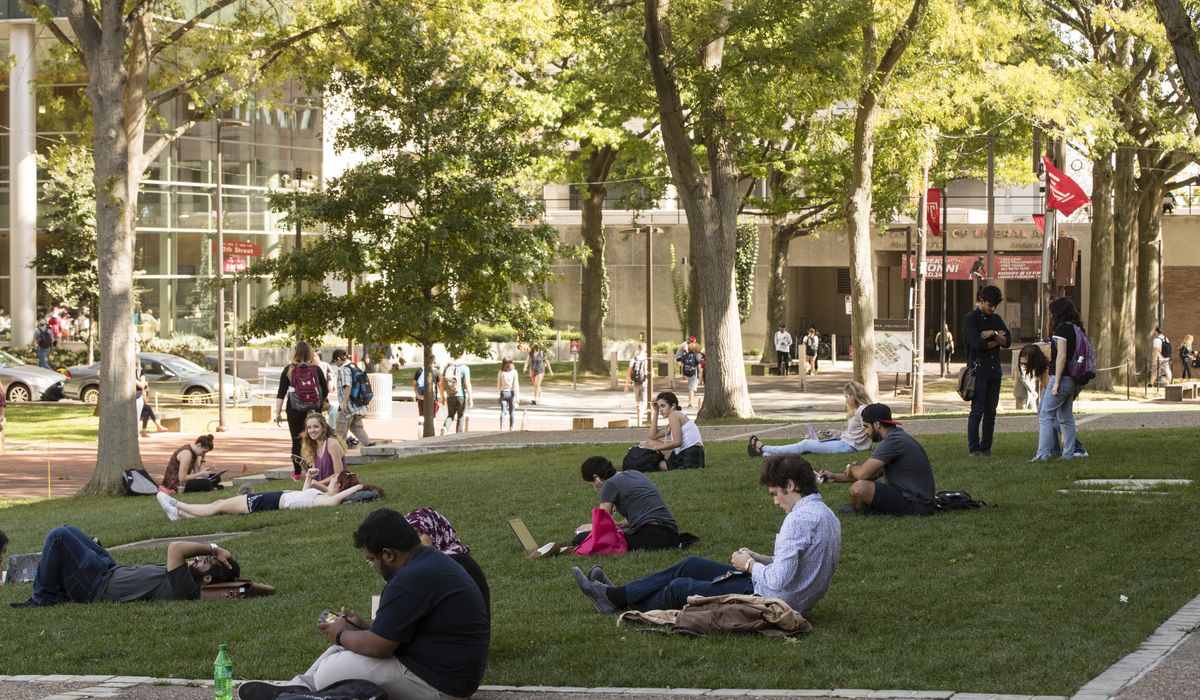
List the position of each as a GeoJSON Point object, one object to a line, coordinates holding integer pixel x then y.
{"type": "Point", "coordinates": [60, 358]}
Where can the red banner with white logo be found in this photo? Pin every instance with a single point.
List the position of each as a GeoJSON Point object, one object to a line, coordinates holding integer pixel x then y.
{"type": "Point", "coordinates": [1008, 267]}
{"type": "Point", "coordinates": [1065, 194]}
{"type": "Point", "coordinates": [1039, 220]}
{"type": "Point", "coordinates": [933, 211]}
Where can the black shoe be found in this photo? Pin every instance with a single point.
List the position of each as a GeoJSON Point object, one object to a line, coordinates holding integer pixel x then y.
{"type": "Point", "coordinates": [24, 604]}
{"type": "Point", "coordinates": [261, 690]}
{"type": "Point", "coordinates": [846, 508]}
{"type": "Point", "coordinates": [351, 442]}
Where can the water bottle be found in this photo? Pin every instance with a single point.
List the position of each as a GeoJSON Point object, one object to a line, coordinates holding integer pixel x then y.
{"type": "Point", "coordinates": [222, 676]}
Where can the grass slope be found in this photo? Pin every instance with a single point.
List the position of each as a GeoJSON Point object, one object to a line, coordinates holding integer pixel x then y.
{"type": "Point", "coordinates": [1021, 598]}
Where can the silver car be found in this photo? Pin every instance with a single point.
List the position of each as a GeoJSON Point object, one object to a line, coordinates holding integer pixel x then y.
{"type": "Point", "coordinates": [172, 377]}
{"type": "Point", "coordinates": [26, 382]}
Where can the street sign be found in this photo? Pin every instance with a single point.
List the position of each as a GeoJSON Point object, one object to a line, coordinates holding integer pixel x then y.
{"type": "Point", "coordinates": [240, 248]}
{"type": "Point", "coordinates": [235, 264]}
{"type": "Point", "coordinates": [574, 346]}
{"type": "Point", "coordinates": [848, 304]}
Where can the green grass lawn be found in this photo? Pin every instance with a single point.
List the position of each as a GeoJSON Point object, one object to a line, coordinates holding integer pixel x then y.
{"type": "Point", "coordinates": [73, 422]}
{"type": "Point", "coordinates": [1020, 598]}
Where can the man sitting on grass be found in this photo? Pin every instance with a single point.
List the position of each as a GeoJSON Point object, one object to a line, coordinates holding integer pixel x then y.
{"type": "Point", "coordinates": [74, 568]}
{"type": "Point", "coordinates": [429, 638]}
{"type": "Point", "coordinates": [901, 461]}
{"type": "Point", "coordinates": [805, 555]}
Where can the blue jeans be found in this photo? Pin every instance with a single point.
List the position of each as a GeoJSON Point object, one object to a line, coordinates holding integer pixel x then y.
{"type": "Point", "coordinates": [669, 589]}
{"type": "Point", "coordinates": [1057, 414]}
{"type": "Point", "coordinates": [73, 568]}
{"type": "Point", "coordinates": [44, 358]}
{"type": "Point", "coordinates": [506, 400]}
{"type": "Point", "coordinates": [983, 414]}
{"type": "Point", "coordinates": [828, 447]}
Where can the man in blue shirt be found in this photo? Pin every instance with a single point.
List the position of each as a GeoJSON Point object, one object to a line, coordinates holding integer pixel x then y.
{"type": "Point", "coordinates": [798, 571]}
{"type": "Point", "coordinates": [984, 333]}
{"type": "Point", "coordinates": [429, 637]}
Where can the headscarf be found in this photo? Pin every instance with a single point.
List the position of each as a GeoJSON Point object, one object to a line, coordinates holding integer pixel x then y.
{"type": "Point", "coordinates": [434, 524]}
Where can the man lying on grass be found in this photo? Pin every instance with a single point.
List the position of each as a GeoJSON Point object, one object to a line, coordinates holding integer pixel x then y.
{"type": "Point", "coordinates": [900, 460]}
{"type": "Point", "coordinates": [74, 568]}
{"type": "Point", "coordinates": [805, 555]}
{"type": "Point", "coordinates": [429, 638]}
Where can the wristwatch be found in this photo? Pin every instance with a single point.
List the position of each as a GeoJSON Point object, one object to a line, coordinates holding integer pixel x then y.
{"type": "Point", "coordinates": [213, 546]}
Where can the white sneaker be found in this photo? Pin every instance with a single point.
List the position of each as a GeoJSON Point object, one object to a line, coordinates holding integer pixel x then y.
{"type": "Point", "coordinates": [169, 505]}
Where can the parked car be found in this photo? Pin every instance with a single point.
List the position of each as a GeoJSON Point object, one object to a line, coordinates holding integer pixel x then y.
{"type": "Point", "coordinates": [25, 382]}
{"type": "Point", "coordinates": [174, 378]}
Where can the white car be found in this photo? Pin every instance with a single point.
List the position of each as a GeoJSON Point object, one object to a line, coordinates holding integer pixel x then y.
{"type": "Point", "coordinates": [25, 382]}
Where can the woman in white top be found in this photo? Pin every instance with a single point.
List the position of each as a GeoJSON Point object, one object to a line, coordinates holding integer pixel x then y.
{"type": "Point", "coordinates": [314, 494]}
{"type": "Point", "coordinates": [510, 391]}
{"type": "Point", "coordinates": [854, 438]}
{"type": "Point", "coordinates": [679, 441]}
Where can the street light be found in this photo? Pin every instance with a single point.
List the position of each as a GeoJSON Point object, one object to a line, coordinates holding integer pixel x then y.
{"type": "Point", "coordinates": [650, 231]}
{"type": "Point", "coordinates": [222, 123]}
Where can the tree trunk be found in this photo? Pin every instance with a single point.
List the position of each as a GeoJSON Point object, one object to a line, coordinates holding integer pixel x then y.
{"type": "Point", "coordinates": [117, 141]}
{"type": "Point", "coordinates": [431, 392]}
{"type": "Point", "coordinates": [1149, 240]}
{"type": "Point", "coordinates": [776, 290]}
{"type": "Point", "coordinates": [711, 204]}
{"type": "Point", "coordinates": [695, 310]}
{"type": "Point", "coordinates": [1182, 36]}
{"type": "Point", "coordinates": [593, 286]}
{"type": "Point", "coordinates": [1125, 257]}
{"type": "Point", "coordinates": [1099, 322]}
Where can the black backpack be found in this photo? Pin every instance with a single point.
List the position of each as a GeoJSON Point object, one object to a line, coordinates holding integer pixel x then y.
{"type": "Point", "coordinates": [45, 338]}
{"type": "Point", "coordinates": [1166, 348]}
{"type": "Point", "coordinates": [138, 483]}
{"type": "Point", "coordinates": [690, 362]}
{"type": "Point", "coordinates": [350, 689]}
{"type": "Point", "coordinates": [946, 501]}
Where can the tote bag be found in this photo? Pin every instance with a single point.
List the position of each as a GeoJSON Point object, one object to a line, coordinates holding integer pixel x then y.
{"type": "Point", "coordinates": [605, 537]}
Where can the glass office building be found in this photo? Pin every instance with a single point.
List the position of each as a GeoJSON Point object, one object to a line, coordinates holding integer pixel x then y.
{"type": "Point", "coordinates": [175, 254]}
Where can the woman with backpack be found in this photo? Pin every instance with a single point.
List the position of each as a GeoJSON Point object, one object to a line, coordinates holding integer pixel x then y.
{"type": "Point", "coordinates": [509, 387]}
{"type": "Point", "coordinates": [302, 388]}
{"type": "Point", "coordinates": [1036, 367]}
{"type": "Point", "coordinates": [1056, 411]}
{"type": "Point", "coordinates": [689, 367]}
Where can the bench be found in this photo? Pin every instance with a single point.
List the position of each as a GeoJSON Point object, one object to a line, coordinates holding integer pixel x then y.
{"type": "Point", "coordinates": [1179, 392]}
{"type": "Point", "coordinates": [173, 422]}
{"type": "Point", "coordinates": [579, 423]}
{"type": "Point", "coordinates": [261, 413]}
{"type": "Point", "coordinates": [619, 423]}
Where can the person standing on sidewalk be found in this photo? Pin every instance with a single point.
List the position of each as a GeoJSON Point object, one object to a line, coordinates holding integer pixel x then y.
{"type": "Point", "coordinates": [636, 377]}
{"type": "Point", "coordinates": [456, 388]}
{"type": "Point", "coordinates": [509, 387]}
{"type": "Point", "coordinates": [350, 414]}
{"type": "Point", "coordinates": [984, 332]}
{"type": "Point", "coordinates": [783, 349]}
{"type": "Point", "coordinates": [1160, 347]}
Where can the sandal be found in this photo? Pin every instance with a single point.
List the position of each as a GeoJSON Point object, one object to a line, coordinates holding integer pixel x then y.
{"type": "Point", "coordinates": [754, 447]}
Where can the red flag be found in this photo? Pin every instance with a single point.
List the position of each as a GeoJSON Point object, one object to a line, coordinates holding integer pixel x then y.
{"type": "Point", "coordinates": [1039, 220]}
{"type": "Point", "coordinates": [933, 210]}
{"type": "Point", "coordinates": [1065, 194]}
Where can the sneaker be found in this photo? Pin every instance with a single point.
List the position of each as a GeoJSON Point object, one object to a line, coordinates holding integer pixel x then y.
{"type": "Point", "coordinates": [594, 590]}
{"type": "Point", "coordinates": [351, 441]}
{"type": "Point", "coordinates": [597, 574]}
{"type": "Point", "coordinates": [169, 505]}
{"type": "Point", "coordinates": [753, 447]}
{"type": "Point", "coordinates": [1082, 453]}
{"type": "Point", "coordinates": [846, 508]}
{"type": "Point", "coordinates": [262, 690]}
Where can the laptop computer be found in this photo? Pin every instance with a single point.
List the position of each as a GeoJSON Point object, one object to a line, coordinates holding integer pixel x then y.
{"type": "Point", "coordinates": [532, 549]}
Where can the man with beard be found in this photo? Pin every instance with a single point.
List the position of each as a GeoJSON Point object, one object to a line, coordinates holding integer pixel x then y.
{"type": "Point", "coordinates": [908, 476]}
{"type": "Point", "coordinates": [429, 637]}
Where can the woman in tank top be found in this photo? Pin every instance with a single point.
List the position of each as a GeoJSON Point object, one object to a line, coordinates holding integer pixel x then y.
{"type": "Point", "coordinates": [187, 462]}
{"type": "Point", "coordinates": [321, 447]}
{"type": "Point", "coordinates": [679, 441]}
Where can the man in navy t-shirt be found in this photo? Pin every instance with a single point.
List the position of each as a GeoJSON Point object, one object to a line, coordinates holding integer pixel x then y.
{"type": "Point", "coordinates": [430, 636]}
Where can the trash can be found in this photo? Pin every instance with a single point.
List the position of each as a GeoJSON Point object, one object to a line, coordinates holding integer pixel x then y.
{"type": "Point", "coordinates": [381, 403]}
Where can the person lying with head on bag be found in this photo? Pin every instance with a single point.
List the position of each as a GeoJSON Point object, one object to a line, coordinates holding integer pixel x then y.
{"type": "Point", "coordinates": [74, 568]}
{"type": "Point", "coordinates": [798, 571]}
{"type": "Point", "coordinates": [648, 521]}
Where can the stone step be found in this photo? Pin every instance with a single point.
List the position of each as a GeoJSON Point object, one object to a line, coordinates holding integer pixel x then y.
{"type": "Point", "coordinates": [251, 480]}
{"type": "Point", "coordinates": [356, 460]}
{"type": "Point", "coordinates": [380, 449]}
{"type": "Point", "coordinates": [278, 473]}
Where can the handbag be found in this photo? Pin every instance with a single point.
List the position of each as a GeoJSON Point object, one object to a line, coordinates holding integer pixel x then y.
{"type": "Point", "coordinates": [641, 459]}
{"type": "Point", "coordinates": [237, 588]}
{"type": "Point", "coordinates": [966, 383]}
{"type": "Point", "coordinates": [605, 537]}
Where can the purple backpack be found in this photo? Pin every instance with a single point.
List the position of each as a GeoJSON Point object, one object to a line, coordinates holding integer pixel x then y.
{"type": "Point", "coordinates": [1081, 366]}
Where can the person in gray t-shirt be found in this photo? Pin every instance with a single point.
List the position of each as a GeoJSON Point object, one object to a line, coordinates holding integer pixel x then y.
{"type": "Point", "coordinates": [649, 523]}
{"type": "Point", "coordinates": [909, 487]}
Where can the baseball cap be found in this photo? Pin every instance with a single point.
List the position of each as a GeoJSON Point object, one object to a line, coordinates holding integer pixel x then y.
{"type": "Point", "coordinates": [878, 413]}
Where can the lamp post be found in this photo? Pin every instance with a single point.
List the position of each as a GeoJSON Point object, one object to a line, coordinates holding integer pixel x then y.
{"type": "Point", "coordinates": [222, 123]}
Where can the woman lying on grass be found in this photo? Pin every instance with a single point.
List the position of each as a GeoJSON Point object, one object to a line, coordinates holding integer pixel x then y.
{"type": "Point", "coordinates": [314, 494]}
{"type": "Point", "coordinates": [853, 439]}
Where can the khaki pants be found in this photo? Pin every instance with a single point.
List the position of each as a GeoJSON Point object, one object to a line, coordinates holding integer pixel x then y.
{"type": "Point", "coordinates": [352, 423]}
{"type": "Point", "coordinates": [338, 664]}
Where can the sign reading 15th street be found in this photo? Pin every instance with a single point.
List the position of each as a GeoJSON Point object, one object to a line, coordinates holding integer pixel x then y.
{"type": "Point", "coordinates": [240, 248]}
